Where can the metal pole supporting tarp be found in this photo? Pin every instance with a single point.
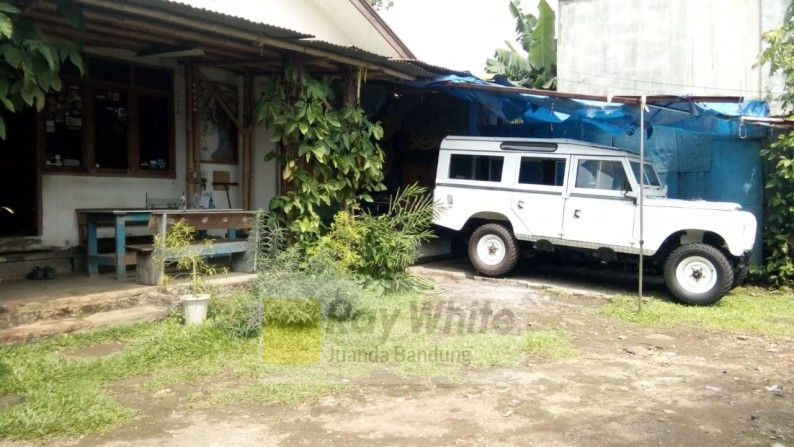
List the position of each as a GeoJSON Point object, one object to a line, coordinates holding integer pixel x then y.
{"type": "Point", "coordinates": [641, 197]}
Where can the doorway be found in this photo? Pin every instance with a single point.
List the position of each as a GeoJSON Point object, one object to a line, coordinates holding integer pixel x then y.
{"type": "Point", "coordinates": [18, 176]}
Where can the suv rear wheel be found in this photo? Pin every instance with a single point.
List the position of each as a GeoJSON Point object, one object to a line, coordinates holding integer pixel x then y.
{"type": "Point", "coordinates": [698, 274]}
{"type": "Point", "coordinates": [493, 250]}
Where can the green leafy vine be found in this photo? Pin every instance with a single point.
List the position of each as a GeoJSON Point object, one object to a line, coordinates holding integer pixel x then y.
{"type": "Point", "coordinates": [329, 155]}
{"type": "Point", "coordinates": [778, 268]}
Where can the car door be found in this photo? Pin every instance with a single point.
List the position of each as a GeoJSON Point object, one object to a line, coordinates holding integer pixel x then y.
{"type": "Point", "coordinates": [597, 211]}
{"type": "Point", "coordinates": [538, 200]}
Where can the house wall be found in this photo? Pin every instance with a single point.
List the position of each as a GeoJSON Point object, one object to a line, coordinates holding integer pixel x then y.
{"type": "Point", "coordinates": [334, 21]}
{"type": "Point", "coordinates": [62, 194]}
{"type": "Point", "coordinates": [682, 47]}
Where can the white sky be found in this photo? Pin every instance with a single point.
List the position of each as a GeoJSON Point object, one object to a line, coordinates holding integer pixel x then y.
{"type": "Point", "coordinates": [456, 34]}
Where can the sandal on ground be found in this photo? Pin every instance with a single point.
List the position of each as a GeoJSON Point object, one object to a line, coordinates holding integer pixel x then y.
{"type": "Point", "coordinates": [36, 273]}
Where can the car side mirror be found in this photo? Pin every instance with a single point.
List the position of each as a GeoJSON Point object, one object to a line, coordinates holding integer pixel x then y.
{"type": "Point", "coordinates": [627, 191]}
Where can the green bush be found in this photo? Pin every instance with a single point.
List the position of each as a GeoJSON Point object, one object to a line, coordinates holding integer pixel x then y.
{"type": "Point", "coordinates": [290, 290]}
{"type": "Point", "coordinates": [318, 277]}
{"type": "Point", "coordinates": [778, 229]}
{"type": "Point", "coordinates": [382, 246]}
{"type": "Point", "coordinates": [240, 315]}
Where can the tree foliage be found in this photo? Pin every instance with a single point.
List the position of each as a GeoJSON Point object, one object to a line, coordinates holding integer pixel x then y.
{"type": "Point", "coordinates": [329, 155]}
{"type": "Point", "coordinates": [29, 61]}
{"type": "Point", "coordinates": [381, 4]}
{"type": "Point", "coordinates": [779, 218]}
{"type": "Point", "coordinates": [534, 65]}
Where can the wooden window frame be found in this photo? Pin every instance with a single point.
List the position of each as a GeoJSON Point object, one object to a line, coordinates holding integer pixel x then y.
{"type": "Point", "coordinates": [89, 86]}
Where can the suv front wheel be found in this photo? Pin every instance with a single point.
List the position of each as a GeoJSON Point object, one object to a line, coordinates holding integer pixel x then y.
{"type": "Point", "coordinates": [493, 250]}
{"type": "Point", "coordinates": [698, 274]}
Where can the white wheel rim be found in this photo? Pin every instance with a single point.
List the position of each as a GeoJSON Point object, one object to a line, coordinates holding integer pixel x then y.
{"type": "Point", "coordinates": [696, 274]}
{"type": "Point", "coordinates": [491, 249]}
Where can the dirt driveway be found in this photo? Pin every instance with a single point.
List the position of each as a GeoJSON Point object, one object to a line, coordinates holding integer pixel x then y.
{"type": "Point", "coordinates": [628, 386]}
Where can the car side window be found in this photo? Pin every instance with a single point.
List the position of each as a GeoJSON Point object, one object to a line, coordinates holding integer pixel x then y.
{"type": "Point", "coordinates": [601, 174]}
{"type": "Point", "coordinates": [541, 171]}
{"type": "Point", "coordinates": [476, 167]}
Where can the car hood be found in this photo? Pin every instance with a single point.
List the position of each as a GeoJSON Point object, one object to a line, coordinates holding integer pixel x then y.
{"type": "Point", "coordinates": [692, 204]}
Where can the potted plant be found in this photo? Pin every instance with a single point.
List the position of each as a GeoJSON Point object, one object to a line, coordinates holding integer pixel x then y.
{"type": "Point", "coordinates": [178, 247]}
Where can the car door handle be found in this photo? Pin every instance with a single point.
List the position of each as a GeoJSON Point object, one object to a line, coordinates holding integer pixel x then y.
{"type": "Point", "coordinates": [577, 214]}
{"type": "Point", "coordinates": [521, 204]}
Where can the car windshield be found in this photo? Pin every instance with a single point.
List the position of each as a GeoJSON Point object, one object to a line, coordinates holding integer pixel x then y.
{"type": "Point", "coordinates": [651, 179]}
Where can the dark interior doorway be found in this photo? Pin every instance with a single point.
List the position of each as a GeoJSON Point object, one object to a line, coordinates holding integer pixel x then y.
{"type": "Point", "coordinates": [18, 182]}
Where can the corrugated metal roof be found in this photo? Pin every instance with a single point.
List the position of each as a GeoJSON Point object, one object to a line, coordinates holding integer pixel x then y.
{"type": "Point", "coordinates": [138, 25]}
{"type": "Point", "coordinates": [366, 56]}
{"type": "Point", "coordinates": [438, 70]}
{"type": "Point", "coordinates": [413, 67]}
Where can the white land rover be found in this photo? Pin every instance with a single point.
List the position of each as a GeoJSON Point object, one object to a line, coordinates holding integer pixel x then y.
{"type": "Point", "coordinates": [555, 193]}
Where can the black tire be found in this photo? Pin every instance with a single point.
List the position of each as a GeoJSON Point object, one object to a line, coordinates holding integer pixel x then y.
{"type": "Point", "coordinates": [501, 246]}
{"type": "Point", "coordinates": [698, 274]}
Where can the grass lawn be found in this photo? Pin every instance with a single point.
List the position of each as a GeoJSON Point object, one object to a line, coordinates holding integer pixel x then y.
{"type": "Point", "coordinates": [744, 310]}
{"type": "Point", "coordinates": [65, 394]}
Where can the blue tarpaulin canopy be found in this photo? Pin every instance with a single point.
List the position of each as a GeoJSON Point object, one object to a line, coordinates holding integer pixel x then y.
{"type": "Point", "coordinates": [617, 115]}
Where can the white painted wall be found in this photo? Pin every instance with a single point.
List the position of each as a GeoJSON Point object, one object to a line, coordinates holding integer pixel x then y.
{"type": "Point", "coordinates": [703, 47]}
{"type": "Point", "coordinates": [334, 21]}
{"type": "Point", "coordinates": [63, 194]}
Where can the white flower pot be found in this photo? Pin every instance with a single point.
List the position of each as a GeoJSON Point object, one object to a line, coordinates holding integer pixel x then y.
{"type": "Point", "coordinates": [195, 307]}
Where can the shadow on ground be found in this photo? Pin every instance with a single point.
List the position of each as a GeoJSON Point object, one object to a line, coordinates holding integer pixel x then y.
{"type": "Point", "coordinates": [570, 273]}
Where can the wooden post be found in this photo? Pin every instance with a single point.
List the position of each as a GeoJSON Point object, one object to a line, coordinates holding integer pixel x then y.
{"type": "Point", "coordinates": [247, 158]}
{"type": "Point", "coordinates": [189, 134]}
{"type": "Point", "coordinates": [159, 258]}
{"type": "Point", "coordinates": [350, 82]}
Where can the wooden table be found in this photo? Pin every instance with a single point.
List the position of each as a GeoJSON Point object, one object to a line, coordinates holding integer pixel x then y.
{"type": "Point", "coordinates": [150, 268]}
{"type": "Point", "coordinates": [92, 218]}
{"type": "Point", "coordinates": [202, 219]}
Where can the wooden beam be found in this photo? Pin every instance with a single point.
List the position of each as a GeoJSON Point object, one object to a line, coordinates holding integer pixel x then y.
{"type": "Point", "coordinates": [263, 64]}
{"type": "Point", "coordinates": [93, 37]}
{"type": "Point", "coordinates": [222, 46]}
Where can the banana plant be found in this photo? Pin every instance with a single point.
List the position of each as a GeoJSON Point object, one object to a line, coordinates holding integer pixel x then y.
{"type": "Point", "coordinates": [534, 64]}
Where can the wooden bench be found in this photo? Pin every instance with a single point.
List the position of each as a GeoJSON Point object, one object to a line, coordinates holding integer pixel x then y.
{"type": "Point", "coordinates": [149, 267]}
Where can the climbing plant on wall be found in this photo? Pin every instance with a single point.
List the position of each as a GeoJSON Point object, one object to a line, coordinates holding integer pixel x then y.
{"type": "Point", "coordinates": [779, 220]}
{"type": "Point", "coordinates": [329, 154]}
